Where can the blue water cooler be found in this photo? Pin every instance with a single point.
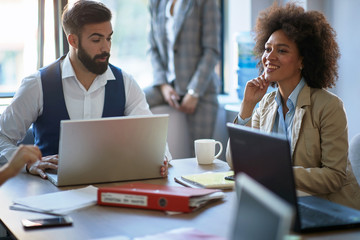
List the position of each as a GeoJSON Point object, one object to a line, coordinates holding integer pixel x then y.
{"type": "Point", "coordinates": [246, 61]}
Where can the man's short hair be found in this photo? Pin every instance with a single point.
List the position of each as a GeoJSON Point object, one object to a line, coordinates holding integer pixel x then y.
{"type": "Point", "coordinates": [81, 13]}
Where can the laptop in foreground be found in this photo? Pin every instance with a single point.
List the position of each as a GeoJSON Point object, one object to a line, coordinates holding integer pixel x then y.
{"type": "Point", "coordinates": [259, 213]}
{"type": "Point", "coordinates": [266, 158]}
{"type": "Point", "coordinates": [110, 149]}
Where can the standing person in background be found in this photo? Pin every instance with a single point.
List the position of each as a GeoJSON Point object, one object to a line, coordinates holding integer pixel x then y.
{"type": "Point", "coordinates": [184, 48]}
{"type": "Point", "coordinates": [298, 54]}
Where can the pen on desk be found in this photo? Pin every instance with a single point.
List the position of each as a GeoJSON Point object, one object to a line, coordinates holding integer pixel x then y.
{"type": "Point", "coordinates": [231, 177]}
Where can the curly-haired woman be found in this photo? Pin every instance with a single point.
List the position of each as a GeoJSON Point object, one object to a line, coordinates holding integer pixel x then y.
{"type": "Point", "coordinates": [298, 54]}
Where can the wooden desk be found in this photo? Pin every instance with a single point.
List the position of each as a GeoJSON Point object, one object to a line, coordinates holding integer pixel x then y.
{"type": "Point", "coordinates": [101, 221]}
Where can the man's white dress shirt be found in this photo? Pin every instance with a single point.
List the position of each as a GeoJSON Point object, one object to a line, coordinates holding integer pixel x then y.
{"type": "Point", "coordinates": [27, 103]}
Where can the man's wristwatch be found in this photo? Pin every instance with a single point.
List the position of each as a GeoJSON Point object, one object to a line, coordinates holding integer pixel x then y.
{"type": "Point", "coordinates": [192, 93]}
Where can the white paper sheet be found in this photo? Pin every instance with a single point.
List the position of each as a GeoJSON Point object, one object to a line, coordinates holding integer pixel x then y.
{"type": "Point", "coordinates": [58, 202]}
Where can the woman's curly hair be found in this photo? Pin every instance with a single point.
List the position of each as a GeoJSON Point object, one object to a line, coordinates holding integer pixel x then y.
{"type": "Point", "coordinates": [312, 34]}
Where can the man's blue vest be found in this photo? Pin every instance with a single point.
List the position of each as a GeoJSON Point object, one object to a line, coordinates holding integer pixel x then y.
{"type": "Point", "coordinates": [47, 127]}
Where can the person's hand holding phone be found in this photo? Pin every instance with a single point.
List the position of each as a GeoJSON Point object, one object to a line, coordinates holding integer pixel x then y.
{"type": "Point", "coordinates": [170, 95]}
{"type": "Point", "coordinates": [175, 101]}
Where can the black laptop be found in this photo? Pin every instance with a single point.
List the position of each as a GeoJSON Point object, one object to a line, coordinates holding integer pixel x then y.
{"type": "Point", "coordinates": [266, 158]}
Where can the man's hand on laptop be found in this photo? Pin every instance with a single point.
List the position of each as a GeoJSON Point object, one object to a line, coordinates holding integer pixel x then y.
{"type": "Point", "coordinates": [164, 168]}
{"type": "Point", "coordinates": [39, 167]}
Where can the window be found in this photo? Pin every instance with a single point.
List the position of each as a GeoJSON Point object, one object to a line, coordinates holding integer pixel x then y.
{"type": "Point", "coordinates": [23, 50]}
{"type": "Point", "coordinates": [18, 42]}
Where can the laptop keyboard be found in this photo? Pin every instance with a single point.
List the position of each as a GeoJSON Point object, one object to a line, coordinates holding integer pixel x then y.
{"type": "Point", "coordinates": [313, 217]}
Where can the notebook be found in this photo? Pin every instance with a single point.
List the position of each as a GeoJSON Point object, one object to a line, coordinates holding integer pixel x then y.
{"type": "Point", "coordinates": [110, 149]}
{"type": "Point", "coordinates": [207, 180]}
{"type": "Point", "coordinates": [266, 158]}
{"type": "Point", "coordinates": [259, 213]}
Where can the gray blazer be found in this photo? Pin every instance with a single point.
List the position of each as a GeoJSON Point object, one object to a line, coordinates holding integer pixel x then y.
{"type": "Point", "coordinates": [196, 48]}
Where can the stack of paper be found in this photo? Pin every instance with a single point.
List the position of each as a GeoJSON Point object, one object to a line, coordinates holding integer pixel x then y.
{"type": "Point", "coordinates": [57, 203]}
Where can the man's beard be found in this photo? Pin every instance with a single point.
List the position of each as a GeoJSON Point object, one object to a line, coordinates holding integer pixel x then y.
{"type": "Point", "coordinates": [91, 64]}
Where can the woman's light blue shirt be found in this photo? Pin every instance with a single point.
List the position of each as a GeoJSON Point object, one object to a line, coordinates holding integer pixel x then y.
{"type": "Point", "coordinates": [283, 125]}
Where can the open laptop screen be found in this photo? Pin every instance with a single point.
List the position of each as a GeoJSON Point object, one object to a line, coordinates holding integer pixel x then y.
{"type": "Point", "coordinates": [260, 214]}
{"type": "Point", "coordinates": [265, 158]}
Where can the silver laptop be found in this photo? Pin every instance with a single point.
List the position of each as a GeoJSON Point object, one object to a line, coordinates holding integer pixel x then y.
{"type": "Point", "coordinates": [110, 149]}
{"type": "Point", "coordinates": [260, 214]}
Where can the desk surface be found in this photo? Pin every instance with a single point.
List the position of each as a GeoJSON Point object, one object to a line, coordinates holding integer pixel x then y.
{"type": "Point", "coordinates": [101, 221]}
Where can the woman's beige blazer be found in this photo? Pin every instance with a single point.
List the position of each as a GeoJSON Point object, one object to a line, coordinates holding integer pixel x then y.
{"type": "Point", "coordinates": [319, 144]}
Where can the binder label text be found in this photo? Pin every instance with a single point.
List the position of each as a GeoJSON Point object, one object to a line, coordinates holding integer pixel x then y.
{"type": "Point", "coordinates": [126, 199]}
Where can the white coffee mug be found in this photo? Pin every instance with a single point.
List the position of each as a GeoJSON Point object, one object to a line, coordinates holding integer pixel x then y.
{"type": "Point", "coordinates": [205, 150]}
